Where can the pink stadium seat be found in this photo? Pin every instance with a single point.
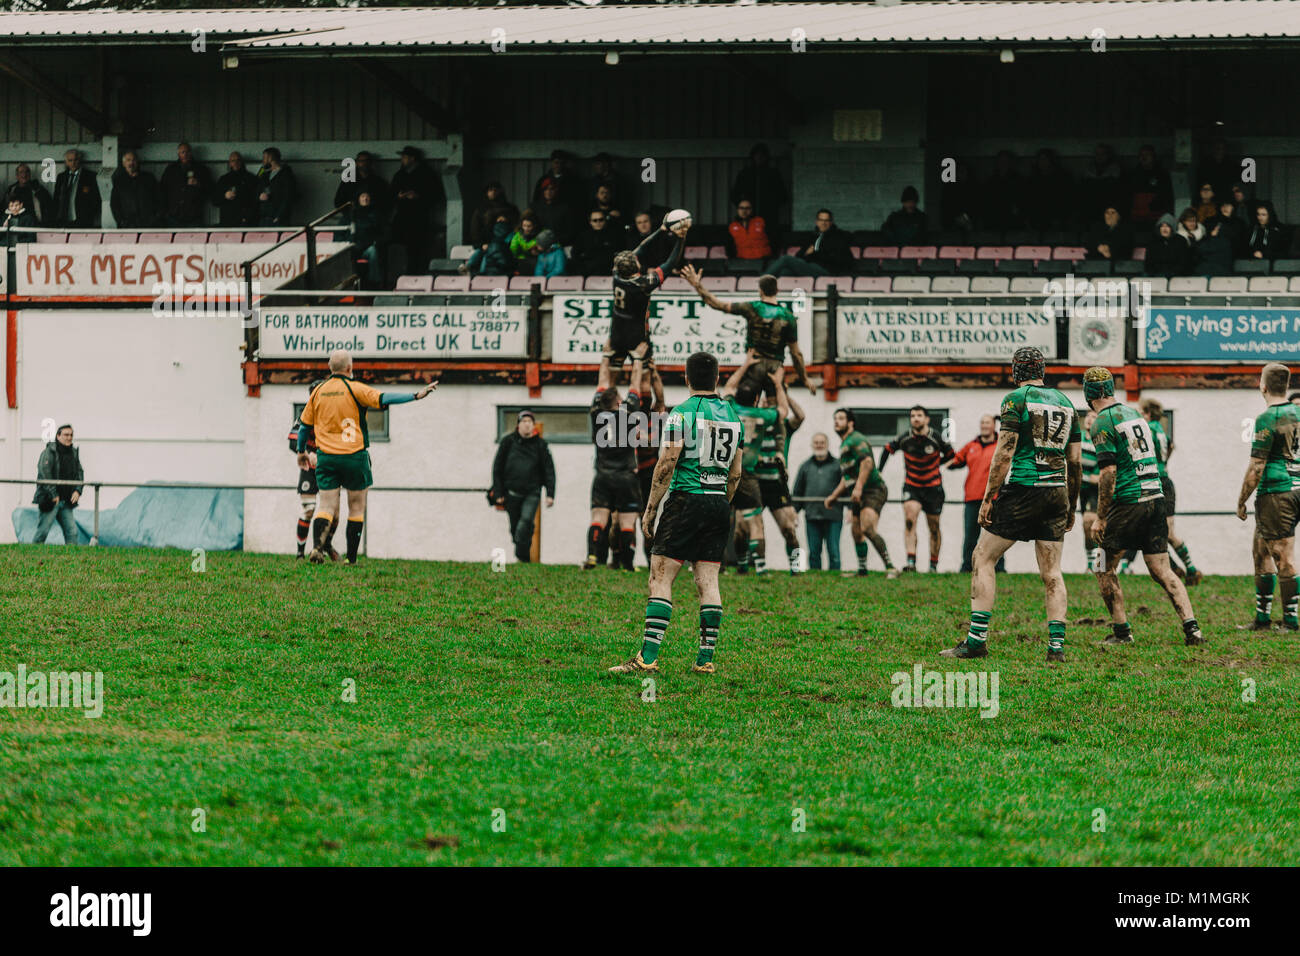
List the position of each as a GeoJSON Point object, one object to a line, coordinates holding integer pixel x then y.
{"type": "Point", "coordinates": [750, 283]}
{"type": "Point", "coordinates": [198, 237]}
{"type": "Point", "coordinates": [957, 252]}
{"type": "Point", "coordinates": [461, 252]}
{"type": "Point", "coordinates": [717, 252]}
{"type": "Point", "coordinates": [119, 238]}
{"type": "Point", "coordinates": [843, 283]}
{"type": "Point", "coordinates": [451, 284]}
{"type": "Point", "coordinates": [91, 238]}
{"type": "Point", "coordinates": [917, 252]}
{"type": "Point", "coordinates": [696, 252]}
{"type": "Point", "coordinates": [1140, 253]}
{"type": "Point", "coordinates": [524, 283]}
{"type": "Point", "coordinates": [155, 237]}
{"type": "Point", "coordinates": [1069, 253]}
{"type": "Point", "coordinates": [720, 283]}
{"type": "Point", "coordinates": [880, 252]}
{"type": "Point", "coordinates": [261, 237]}
{"type": "Point", "coordinates": [226, 237]}
{"type": "Point", "coordinates": [994, 252]}
{"type": "Point", "coordinates": [290, 235]}
{"type": "Point", "coordinates": [598, 284]}
{"type": "Point", "coordinates": [676, 284]}
{"type": "Point", "coordinates": [790, 283]}
{"type": "Point", "coordinates": [1033, 252]}
{"type": "Point", "coordinates": [871, 284]}
{"type": "Point", "coordinates": [414, 284]}
{"type": "Point", "coordinates": [564, 284]}
{"type": "Point", "coordinates": [487, 283]}
{"type": "Point", "coordinates": [51, 237]}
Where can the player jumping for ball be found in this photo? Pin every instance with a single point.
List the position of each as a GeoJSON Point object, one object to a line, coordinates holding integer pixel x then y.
{"type": "Point", "coordinates": [629, 329]}
{"type": "Point", "coordinates": [614, 487]}
{"type": "Point", "coordinates": [699, 469]}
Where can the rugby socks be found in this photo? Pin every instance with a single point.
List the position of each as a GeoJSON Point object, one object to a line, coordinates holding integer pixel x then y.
{"type": "Point", "coordinates": [878, 542]}
{"type": "Point", "coordinates": [979, 629]}
{"type": "Point", "coordinates": [1123, 632]}
{"type": "Point", "coordinates": [1192, 629]}
{"type": "Point", "coordinates": [627, 550]}
{"type": "Point", "coordinates": [934, 563]}
{"type": "Point", "coordinates": [304, 526]}
{"type": "Point", "coordinates": [596, 542]}
{"type": "Point", "coordinates": [861, 548]}
{"type": "Point", "coordinates": [1185, 556]}
{"type": "Point", "coordinates": [658, 612]}
{"type": "Point", "coordinates": [1264, 584]}
{"type": "Point", "coordinates": [1056, 635]}
{"type": "Point", "coordinates": [320, 524]}
{"type": "Point", "coordinates": [710, 623]}
{"type": "Point", "coordinates": [1290, 587]}
{"type": "Point", "coordinates": [614, 548]}
{"type": "Point", "coordinates": [329, 533]}
{"type": "Point", "coordinates": [354, 537]}
{"type": "Point", "coordinates": [911, 560]}
{"type": "Point", "coordinates": [758, 555]}
{"type": "Point", "coordinates": [794, 559]}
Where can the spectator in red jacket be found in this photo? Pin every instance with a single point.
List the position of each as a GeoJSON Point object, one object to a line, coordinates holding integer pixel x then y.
{"type": "Point", "coordinates": [748, 233]}
{"type": "Point", "coordinates": [977, 455]}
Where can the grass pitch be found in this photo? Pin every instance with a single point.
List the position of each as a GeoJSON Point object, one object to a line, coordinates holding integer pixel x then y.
{"type": "Point", "coordinates": [485, 731]}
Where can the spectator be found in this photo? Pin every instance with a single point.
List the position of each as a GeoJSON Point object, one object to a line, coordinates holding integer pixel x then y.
{"type": "Point", "coordinates": [523, 244]}
{"type": "Point", "coordinates": [569, 190]}
{"type": "Point", "coordinates": [493, 258]}
{"type": "Point", "coordinates": [593, 253]}
{"type": "Point", "coordinates": [522, 466]}
{"type": "Point", "coordinates": [76, 195]}
{"type": "Point", "coordinates": [1206, 207]}
{"type": "Point", "coordinates": [484, 218]}
{"type": "Point", "coordinates": [1048, 193]}
{"type": "Point", "coordinates": [186, 186]}
{"type": "Point", "coordinates": [1243, 206]}
{"type": "Point", "coordinates": [1111, 238]}
{"type": "Point", "coordinates": [906, 226]}
{"type": "Point", "coordinates": [366, 232]}
{"type": "Point", "coordinates": [555, 214]}
{"type": "Point", "coordinates": [1190, 227]}
{"type": "Point", "coordinates": [366, 180]}
{"type": "Point", "coordinates": [1265, 238]}
{"type": "Point", "coordinates": [761, 183]}
{"type": "Point", "coordinates": [19, 216]}
{"type": "Point", "coordinates": [604, 202]}
{"type": "Point", "coordinates": [746, 234]}
{"type": "Point", "coordinates": [643, 227]}
{"type": "Point", "coordinates": [829, 254]}
{"type": "Point", "coordinates": [1218, 168]}
{"type": "Point", "coordinates": [60, 460]}
{"type": "Point", "coordinates": [1214, 253]}
{"type": "Point", "coordinates": [551, 260]}
{"type": "Point", "coordinates": [603, 173]}
{"type": "Point", "coordinates": [817, 478]}
{"type": "Point", "coordinates": [1168, 253]}
{"type": "Point", "coordinates": [34, 197]}
{"type": "Point", "coordinates": [413, 192]}
{"type": "Point", "coordinates": [1003, 195]}
{"type": "Point", "coordinates": [236, 193]}
{"type": "Point", "coordinates": [279, 190]}
{"type": "Point", "coordinates": [977, 455]}
{"type": "Point", "coordinates": [1101, 184]}
{"type": "Point", "coordinates": [1237, 231]}
{"type": "Point", "coordinates": [1151, 192]}
{"type": "Point", "coordinates": [134, 199]}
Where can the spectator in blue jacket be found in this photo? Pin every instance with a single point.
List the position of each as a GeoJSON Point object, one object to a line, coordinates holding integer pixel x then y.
{"type": "Point", "coordinates": [493, 258]}
{"type": "Point", "coordinates": [550, 256]}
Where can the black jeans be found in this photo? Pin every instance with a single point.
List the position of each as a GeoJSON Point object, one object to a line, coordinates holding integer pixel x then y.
{"type": "Point", "coordinates": [522, 510]}
{"type": "Point", "coordinates": [972, 538]}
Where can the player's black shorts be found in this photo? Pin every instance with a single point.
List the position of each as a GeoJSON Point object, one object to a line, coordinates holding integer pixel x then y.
{"type": "Point", "coordinates": [617, 491]}
{"type": "Point", "coordinates": [693, 528]}
{"type": "Point", "coordinates": [1136, 525]}
{"type": "Point", "coordinates": [873, 498]}
{"type": "Point", "coordinates": [749, 493]}
{"type": "Point", "coordinates": [1088, 498]}
{"type": "Point", "coordinates": [757, 380]}
{"type": "Point", "coordinates": [1025, 513]}
{"type": "Point", "coordinates": [1171, 496]}
{"type": "Point", "coordinates": [624, 338]}
{"type": "Point", "coordinates": [931, 498]}
{"type": "Point", "coordinates": [775, 493]}
{"type": "Point", "coordinates": [307, 482]}
{"type": "Point", "coordinates": [1276, 515]}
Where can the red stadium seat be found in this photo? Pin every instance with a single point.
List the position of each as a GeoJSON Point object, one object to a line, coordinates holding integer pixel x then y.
{"type": "Point", "coordinates": [717, 252]}
{"type": "Point", "coordinates": [451, 284]}
{"type": "Point", "coordinates": [957, 252]}
{"type": "Point", "coordinates": [91, 238]}
{"type": "Point", "coordinates": [1069, 253]}
{"type": "Point", "coordinates": [880, 252]}
{"type": "Point", "coordinates": [871, 284]}
{"type": "Point", "coordinates": [843, 283]}
{"type": "Point", "coordinates": [197, 237]}
{"type": "Point", "coordinates": [598, 284]}
{"type": "Point", "coordinates": [225, 237]}
{"type": "Point", "coordinates": [995, 252]}
{"type": "Point", "coordinates": [524, 283]}
{"type": "Point", "coordinates": [414, 284]}
{"type": "Point", "coordinates": [1033, 252]}
{"type": "Point", "coordinates": [51, 237]}
{"type": "Point", "coordinates": [119, 238]}
{"type": "Point", "coordinates": [917, 252]}
{"type": "Point", "coordinates": [564, 284]}
{"type": "Point", "coordinates": [720, 283]}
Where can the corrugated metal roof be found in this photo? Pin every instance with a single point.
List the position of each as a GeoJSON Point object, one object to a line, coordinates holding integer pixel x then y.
{"type": "Point", "coordinates": [965, 22]}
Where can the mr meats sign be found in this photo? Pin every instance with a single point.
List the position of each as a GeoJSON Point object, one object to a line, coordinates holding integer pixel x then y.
{"type": "Point", "coordinates": [73, 270]}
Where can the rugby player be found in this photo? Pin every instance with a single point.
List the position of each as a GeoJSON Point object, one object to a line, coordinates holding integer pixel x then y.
{"type": "Point", "coordinates": [615, 491]}
{"type": "Point", "coordinates": [699, 463]}
{"type": "Point", "coordinates": [760, 483]}
{"type": "Point", "coordinates": [1131, 511]}
{"type": "Point", "coordinates": [335, 417]}
{"type": "Point", "coordinates": [923, 453]}
{"type": "Point", "coordinates": [1153, 412]}
{"type": "Point", "coordinates": [769, 330]}
{"type": "Point", "coordinates": [868, 492]}
{"type": "Point", "coordinates": [1275, 471]}
{"type": "Point", "coordinates": [629, 329]}
{"type": "Point", "coordinates": [1088, 493]}
{"type": "Point", "coordinates": [307, 492]}
{"type": "Point", "coordinates": [1038, 459]}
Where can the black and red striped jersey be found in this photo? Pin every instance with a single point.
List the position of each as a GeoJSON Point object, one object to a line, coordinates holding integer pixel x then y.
{"type": "Point", "coordinates": [922, 456]}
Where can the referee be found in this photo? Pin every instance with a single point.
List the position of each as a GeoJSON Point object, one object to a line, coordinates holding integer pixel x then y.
{"type": "Point", "coordinates": [335, 417]}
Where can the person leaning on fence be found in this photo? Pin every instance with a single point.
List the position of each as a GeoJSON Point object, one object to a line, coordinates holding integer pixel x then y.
{"type": "Point", "coordinates": [59, 460]}
{"type": "Point", "coordinates": [335, 417]}
{"type": "Point", "coordinates": [523, 465]}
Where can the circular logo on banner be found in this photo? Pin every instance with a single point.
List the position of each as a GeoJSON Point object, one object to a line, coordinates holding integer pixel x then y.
{"type": "Point", "coordinates": [1093, 341]}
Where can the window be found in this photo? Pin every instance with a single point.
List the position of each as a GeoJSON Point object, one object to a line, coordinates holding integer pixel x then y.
{"type": "Point", "coordinates": [883, 425]}
{"type": "Point", "coordinates": [560, 424]}
{"type": "Point", "coordinates": [376, 421]}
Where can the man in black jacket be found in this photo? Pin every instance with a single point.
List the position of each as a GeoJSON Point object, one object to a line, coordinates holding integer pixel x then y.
{"type": "Point", "coordinates": [366, 180]}
{"type": "Point", "coordinates": [279, 190]}
{"type": "Point", "coordinates": [593, 253]}
{"type": "Point", "coordinates": [413, 193]}
{"type": "Point", "coordinates": [76, 195]}
{"type": "Point", "coordinates": [235, 195]}
{"type": "Point", "coordinates": [56, 502]}
{"type": "Point", "coordinates": [134, 200]}
{"type": "Point", "coordinates": [186, 185]}
{"type": "Point", "coordinates": [829, 253]}
{"type": "Point", "coordinates": [817, 478]}
{"type": "Point", "coordinates": [34, 197]}
{"type": "Point", "coordinates": [522, 466]}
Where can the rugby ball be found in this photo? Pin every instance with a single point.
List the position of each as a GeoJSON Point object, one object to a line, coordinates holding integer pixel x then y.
{"type": "Point", "coordinates": [678, 221]}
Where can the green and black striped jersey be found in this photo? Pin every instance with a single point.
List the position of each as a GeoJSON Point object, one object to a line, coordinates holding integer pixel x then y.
{"type": "Point", "coordinates": [1277, 441]}
{"type": "Point", "coordinates": [1124, 439]}
{"type": "Point", "coordinates": [710, 433]}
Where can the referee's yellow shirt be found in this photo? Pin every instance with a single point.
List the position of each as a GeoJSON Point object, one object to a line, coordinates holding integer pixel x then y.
{"type": "Point", "coordinates": [332, 413]}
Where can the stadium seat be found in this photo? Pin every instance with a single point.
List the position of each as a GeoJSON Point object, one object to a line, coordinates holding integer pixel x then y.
{"type": "Point", "coordinates": [676, 284]}
{"type": "Point", "coordinates": [951, 285]}
{"type": "Point", "coordinates": [1130, 267]}
{"type": "Point", "coordinates": [695, 253]}
{"type": "Point", "coordinates": [880, 252]}
{"type": "Point", "coordinates": [1285, 267]}
{"type": "Point", "coordinates": [51, 237]}
{"type": "Point", "coordinates": [941, 267]}
{"type": "Point", "coordinates": [565, 284]}
{"type": "Point", "coordinates": [487, 283]}
{"type": "Point", "coordinates": [957, 252]}
{"type": "Point", "coordinates": [451, 283]}
{"type": "Point", "coordinates": [1093, 267]}
{"type": "Point", "coordinates": [1293, 285]}
{"type": "Point", "coordinates": [990, 285]}
{"type": "Point", "coordinates": [225, 237]}
{"type": "Point", "coordinates": [444, 267]}
{"type": "Point", "coordinates": [1139, 255]}
{"type": "Point", "coordinates": [1015, 267]}
{"type": "Point", "coordinates": [791, 283]}
{"type": "Point", "coordinates": [156, 237]}
{"type": "Point", "coordinates": [995, 253]}
{"type": "Point", "coordinates": [89, 238]}
{"type": "Point", "coordinates": [717, 252]}
{"type": "Point", "coordinates": [598, 284]}
{"type": "Point", "coordinates": [1233, 284]}
{"type": "Point", "coordinates": [918, 252]}
{"type": "Point", "coordinates": [1267, 284]}
{"type": "Point", "coordinates": [414, 284]}
{"type": "Point", "coordinates": [392, 301]}
{"type": "Point", "coordinates": [199, 238]}
{"type": "Point", "coordinates": [1155, 285]}
{"type": "Point", "coordinates": [747, 284]}
{"type": "Point", "coordinates": [120, 238]}
{"type": "Point", "coordinates": [524, 283]}
{"type": "Point", "coordinates": [912, 285]}
{"type": "Point", "coordinates": [1186, 284]}
{"type": "Point", "coordinates": [1033, 253]}
{"type": "Point", "coordinates": [1027, 285]}
{"type": "Point", "coordinates": [261, 237]}
{"type": "Point", "coordinates": [856, 251]}
{"type": "Point", "coordinates": [460, 252]}
{"type": "Point", "coordinates": [842, 283]}
{"type": "Point", "coordinates": [718, 283]}
{"type": "Point", "coordinates": [1069, 253]}
{"type": "Point", "coordinates": [745, 267]}
{"type": "Point", "coordinates": [897, 265]}
{"type": "Point", "coordinates": [1250, 267]}
{"type": "Point", "coordinates": [876, 284]}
